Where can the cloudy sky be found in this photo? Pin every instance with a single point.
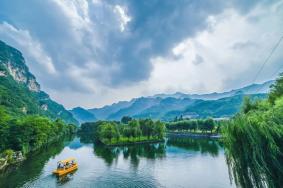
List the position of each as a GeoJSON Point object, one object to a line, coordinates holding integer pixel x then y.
{"type": "Point", "coordinates": [95, 52]}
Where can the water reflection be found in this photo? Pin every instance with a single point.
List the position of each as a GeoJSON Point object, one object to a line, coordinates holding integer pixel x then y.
{"type": "Point", "coordinates": [132, 153]}
{"type": "Point", "coordinates": [61, 180]}
{"type": "Point", "coordinates": [204, 146]}
{"type": "Point", "coordinates": [149, 165]}
{"type": "Point", "coordinates": [32, 168]}
{"type": "Point", "coordinates": [86, 139]}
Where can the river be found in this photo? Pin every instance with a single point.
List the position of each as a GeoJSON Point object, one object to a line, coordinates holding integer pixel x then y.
{"type": "Point", "coordinates": [179, 162]}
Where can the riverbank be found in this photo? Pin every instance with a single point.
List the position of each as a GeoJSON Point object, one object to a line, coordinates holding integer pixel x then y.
{"type": "Point", "coordinates": [10, 157]}
{"type": "Point", "coordinates": [194, 135]}
{"type": "Point", "coordinates": [132, 141]}
{"type": "Point", "coordinates": [130, 166]}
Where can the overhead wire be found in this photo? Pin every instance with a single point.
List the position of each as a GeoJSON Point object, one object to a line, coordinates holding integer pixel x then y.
{"type": "Point", "coordinates": [266, 61]}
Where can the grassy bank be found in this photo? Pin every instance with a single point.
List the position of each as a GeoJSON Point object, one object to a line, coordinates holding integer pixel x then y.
{"type": "Point", "coordinates": [130, 141]}
{"type": "Point", "coordinates": [195, 126]}
{"type": "Point", "coordinates": [194, 134]}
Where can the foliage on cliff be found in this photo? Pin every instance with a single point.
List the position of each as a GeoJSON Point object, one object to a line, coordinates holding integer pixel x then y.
{"type": "Point", "coordinates": [20, 93]}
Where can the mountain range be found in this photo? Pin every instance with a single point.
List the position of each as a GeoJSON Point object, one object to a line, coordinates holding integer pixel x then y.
{"type": "Point", "coordinates": [20, 93]}
{"type": "Point", "coordinates": [168, 106]}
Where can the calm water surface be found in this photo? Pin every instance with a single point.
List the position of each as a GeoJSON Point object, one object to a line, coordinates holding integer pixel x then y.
{"type": "Point", "coordinates": [179, 162]}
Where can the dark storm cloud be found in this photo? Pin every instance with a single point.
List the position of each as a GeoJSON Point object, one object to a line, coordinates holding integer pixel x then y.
{"type": "Point", "coordinates": [93, 46]}
{"type": "Point", "coordinates": [161, 25]}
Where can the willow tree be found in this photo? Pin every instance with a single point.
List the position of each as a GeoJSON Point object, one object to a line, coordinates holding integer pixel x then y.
{"type": "Point", "coordinates": [254, 143]}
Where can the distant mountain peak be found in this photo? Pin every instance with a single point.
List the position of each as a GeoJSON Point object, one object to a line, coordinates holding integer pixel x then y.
{"type": "Point", "coordinates": [166, 106]}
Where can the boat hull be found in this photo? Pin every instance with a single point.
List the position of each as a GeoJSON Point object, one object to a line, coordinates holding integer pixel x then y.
{"type": "Point", "coordinates": [65, 171]}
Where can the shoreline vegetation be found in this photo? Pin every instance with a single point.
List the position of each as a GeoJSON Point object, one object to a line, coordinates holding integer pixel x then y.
{"type": "Point", "coordinates": [135, 142]}
{"type": "Point", "coordinates": [25, 134]}
{"type": "Point", "coordinates": [253, 141]}
{"type": "Point", "coordinates": [130, 131]}
{"type": "Point", "coordinates": [194, 135]}
{"type": "Point", "coordinates": [124, 132]}
{"type": "Point", "coordinates": [196, 128]}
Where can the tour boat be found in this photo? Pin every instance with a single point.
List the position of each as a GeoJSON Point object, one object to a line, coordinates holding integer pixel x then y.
{"type": "Point", "coordinates": [66, 166]}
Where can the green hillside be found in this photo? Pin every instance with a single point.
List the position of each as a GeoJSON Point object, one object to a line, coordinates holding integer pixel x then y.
{"type": "Point", "coordinates": [20, 93]}
{"type": "Point", "coordinates": [82, 115]}
{"type": "Point", "coordinates": [222, 107]}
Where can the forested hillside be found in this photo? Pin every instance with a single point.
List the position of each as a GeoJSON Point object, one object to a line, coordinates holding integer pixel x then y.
{"type": "Point", "coordinates": [20, 93]}
{"type": "Point", "coordinates": [169, 108]}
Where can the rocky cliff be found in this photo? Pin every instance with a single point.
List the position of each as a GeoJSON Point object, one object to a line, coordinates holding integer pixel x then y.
{"type": "Point", "coordinates": [20, 92]}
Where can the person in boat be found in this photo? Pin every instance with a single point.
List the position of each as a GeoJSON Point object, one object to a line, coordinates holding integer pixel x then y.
{"type": "Point", "coordinates": [65, 166]}
{"type": "Point", "coordinates": [60, 166]}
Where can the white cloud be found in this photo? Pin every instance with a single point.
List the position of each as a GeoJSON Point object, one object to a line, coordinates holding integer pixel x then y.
{"type": "Point", "coordinates": [223, 67]}
{"type": "Point", "coordinates": [100, 61]}
{"type": "Point", "coordinates": [77, 14]}
{"type": "Point", "coordinates": [31, 48]}
{"type": "Point", "coordinates": [124, 18]}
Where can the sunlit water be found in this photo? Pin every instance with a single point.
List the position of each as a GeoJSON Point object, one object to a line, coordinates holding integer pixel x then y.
{"type": "Point", "coordinates": [180, 162]}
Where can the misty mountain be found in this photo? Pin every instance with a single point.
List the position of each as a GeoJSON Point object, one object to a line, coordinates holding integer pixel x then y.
{"type": "Point", "coordinates": [250, 89]}
{"type": "Point", "coordinates": [106, 111]}
{"type": "Point", "coordinates": [138, 105]}
{"type": "Point", "coordinates": [224, 107]}
{"type": "Point", "coordinates": [168, 106]}
{"type": "Point", "coordinates": [82, 115]}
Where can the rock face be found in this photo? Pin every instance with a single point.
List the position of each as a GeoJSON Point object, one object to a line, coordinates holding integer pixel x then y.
{"type": "Point", "coordinates": [12, 158]}
{"type": "Point", "coordinates": [2, 74]}
{"type": "Point", "coordinates": [33, 85]}
{"type": "Point", "coordinates": [44, 107]}
{"type": "Point", "coordinates": [21, 74]}
{"type": "Point", "coordinates": [16, 73]}
{"type": "Point", "coordinates": [20, 92]}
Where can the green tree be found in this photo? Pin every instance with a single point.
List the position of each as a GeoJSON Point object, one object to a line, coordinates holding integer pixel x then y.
{"type": "Point", "coordinates": [159, 129]}
{"type": "Point", "coordinates": [253, 142]}
{"type": "Point", "coordinates": [209, 124]}
{"type": "Point", "coordinates": [126, 119]}
{"type": "Point", "coordinates": [276, 89]}
{"type": "Point", "coordinates": [108, 131]}
{"type": "Point", "coordinates": [146, 127]}
{"type": "Point", "coordinates": [134, 127]}
{"type": "Point", "coordinates": [4, 118]}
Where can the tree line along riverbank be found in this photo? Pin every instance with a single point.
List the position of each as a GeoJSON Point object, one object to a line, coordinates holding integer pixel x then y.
{"type": "Point", "coordinates": [24, 134]}
{"type": "Point", "coordinates": [132, 131]}
{"type": "Point", "coordinates": [124, 131]}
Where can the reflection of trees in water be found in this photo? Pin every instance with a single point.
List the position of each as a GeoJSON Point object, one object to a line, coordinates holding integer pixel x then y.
{"type": "Point", "coordinates": [31, 168]}
{"type": "Point", "coordinates": [133, 152]}
{"type": "Point", "coordinates": [195, 144]}
{"type": "Point", "coordinates": [86, 138]}
{"type": "Point", "coordinates": [107, 153]}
